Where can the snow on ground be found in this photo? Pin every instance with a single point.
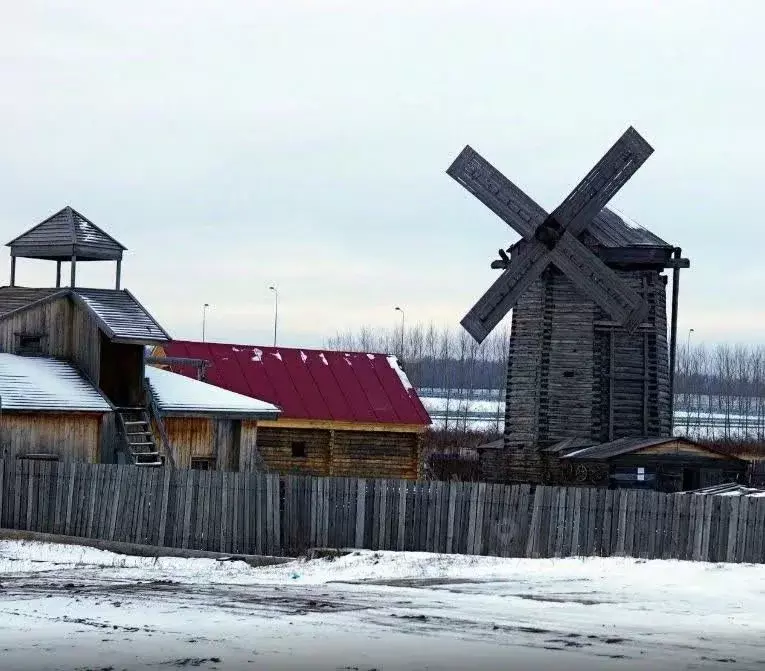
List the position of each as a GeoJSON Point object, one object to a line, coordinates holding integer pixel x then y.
{"type": "Point", "coordinates": [67, 607]}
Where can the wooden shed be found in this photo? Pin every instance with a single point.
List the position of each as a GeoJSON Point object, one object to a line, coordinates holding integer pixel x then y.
{"type": "Point", "coordinates": [48, 410]}
{"type": "Point", "coordinates": [668, 464]}
{"type": "Point", "coordinates": [209, 428]}
{"type": "Point", "coordinates": [343, 413]}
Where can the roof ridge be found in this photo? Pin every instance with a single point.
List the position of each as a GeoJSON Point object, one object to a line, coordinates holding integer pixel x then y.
{"type": "Point", "coordinates": [295, 348]}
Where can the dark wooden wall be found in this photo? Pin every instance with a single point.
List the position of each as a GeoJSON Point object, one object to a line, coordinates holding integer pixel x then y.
{"type": "Point", "coordinates": [375, 454]}
{"type": "Point", "coordinates": [121, 376]}
{"type": "Point", "coordinates": [378, 454]}
{"type": "Point", "coordinates": [516, 466]}
{"type": "Point", "coordinates": [572, 372]}
{"type": "Point", "coordinates": [275, 447]}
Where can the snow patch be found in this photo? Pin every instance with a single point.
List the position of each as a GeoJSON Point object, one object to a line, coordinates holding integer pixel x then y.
{"type": "Point", "coordinates": [323, 359]}
{"type": "Point", "coordinates": [393, 363]}
{"type": "Point", "coordinates": [371, 357]}
{"type": "Point", "coordinates": [303, 356]}
{"type": "Point", "coordinates": [236, 349]}
{"type": "Point", "coordinates": [175, 392]}
{"type": "Point", "coordinates": [277, 355]}
{"type": "Point", "coordinates": [39, 383]}
{"type": "Point", "coordinates": [257, 354]}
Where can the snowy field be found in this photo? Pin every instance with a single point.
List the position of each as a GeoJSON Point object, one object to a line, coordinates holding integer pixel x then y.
{"type": "Point", "coordinates": [486, 412]}
{"type": "Point", "coordinates": [65, 607]}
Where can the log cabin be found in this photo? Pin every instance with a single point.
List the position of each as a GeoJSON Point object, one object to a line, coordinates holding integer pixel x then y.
{"type": "Point", "coordinates": [87, 344]}
{"type": "Point", "coordinates": [351, 414]}
{"type": "Point", "coordinates": [666, 464]}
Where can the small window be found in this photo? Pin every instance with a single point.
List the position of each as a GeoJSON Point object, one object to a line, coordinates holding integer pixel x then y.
{"type": "Point", "coordinates": [30, 344]}
{"type": "Point", "coordinates": [43, 456]}
{"type": "Point", "coordinates": [201, 464]}
{"type": "Point", "coordinates": [298, 449]}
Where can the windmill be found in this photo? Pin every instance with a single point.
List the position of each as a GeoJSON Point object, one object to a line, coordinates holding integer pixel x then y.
{"type": "Point", "coordinates": [589, 358]}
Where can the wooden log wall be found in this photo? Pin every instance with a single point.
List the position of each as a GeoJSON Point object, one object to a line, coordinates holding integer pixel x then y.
{"type": "Point", "coordinates": [524, 370]}
{"type": "Point", "coordinates": [573, 372]}
{"type": "Point", "coordinates": [275, 447]}
{"type": "Point", "coordinates": [269, 514]}
{"type": "Point", "coordinates": [377, 454]}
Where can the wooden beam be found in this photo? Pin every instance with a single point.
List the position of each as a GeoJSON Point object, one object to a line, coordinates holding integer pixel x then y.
{"type": "Point", "coordinates": [58, 274]}
{"type": "Point", "coordinates": [612, 357]}
{"type": "Point", "coordinates": [340, 426]}
{"type": "Point", "coordinates": [13, 271]}
{"type": "Point", "coordinates": [119, 274]}
{"type": "Point", "coordinates": [677, 262]}
{"type": "Point", "coordinates": [74, 270]}
{"type": "Point", "coordinates": [673, 339]}
{"type": "Point", "coordinates": [646, 371]}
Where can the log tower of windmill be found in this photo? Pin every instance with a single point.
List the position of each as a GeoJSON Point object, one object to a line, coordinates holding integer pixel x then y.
{"type": "Point", "coordinates": [589, 363]}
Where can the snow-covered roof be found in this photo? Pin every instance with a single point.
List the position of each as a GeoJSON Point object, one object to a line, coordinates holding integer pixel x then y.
{"type": "Point", "coordinates": [43, 384]}
{"type": "Point", "coordinates": [178, 394]}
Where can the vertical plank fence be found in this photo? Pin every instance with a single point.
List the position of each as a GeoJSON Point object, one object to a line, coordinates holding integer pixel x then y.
{"type": "Point", "coordinates": [253, 513]}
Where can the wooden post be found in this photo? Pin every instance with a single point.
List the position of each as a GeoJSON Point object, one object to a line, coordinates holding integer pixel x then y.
{"type": "Point", "coordinates": [119, 274]}
{"type": "Point", "coordinates": [13, 271]}
{"type": "Point", "coordinates": [58, 274]}
{"type": "Point", "coordinates": [74, 270]}
{"type": "Point", "coordinates": [331, 453]}
{"type": "Point", "coordinates": [673, 338]}
{"type": "Point", "coordinates": [611, 374]}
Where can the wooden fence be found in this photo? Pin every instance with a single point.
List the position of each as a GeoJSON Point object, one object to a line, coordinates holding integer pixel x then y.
{"type": "Point", "coordinates": [272, 514]}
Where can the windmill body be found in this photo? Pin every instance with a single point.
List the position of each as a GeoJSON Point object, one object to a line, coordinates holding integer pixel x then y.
{"type": "Point", "coordinates": [590, 357]}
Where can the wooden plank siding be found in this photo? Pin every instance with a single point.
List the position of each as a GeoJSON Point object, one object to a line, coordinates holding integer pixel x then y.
{"type": "Point", "coordinates": [69, 332]}
{"type": "Point", "coordinates": [72, 436]}
{"type": "Point", "coordinates": [573, 372]}
{"type": "Point", "coordinates": [190, 437]}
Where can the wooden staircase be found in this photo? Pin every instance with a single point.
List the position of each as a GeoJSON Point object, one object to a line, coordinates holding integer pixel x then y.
{"type": "Point", "coordinates": [135, 426]}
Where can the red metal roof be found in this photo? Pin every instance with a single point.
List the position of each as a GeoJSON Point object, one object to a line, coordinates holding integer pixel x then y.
{"type": "Point", "coordinates": [309, 383]}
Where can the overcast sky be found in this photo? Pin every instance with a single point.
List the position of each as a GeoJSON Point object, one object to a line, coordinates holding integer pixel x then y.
{"type": "Point", "coordinates": [231, 146]}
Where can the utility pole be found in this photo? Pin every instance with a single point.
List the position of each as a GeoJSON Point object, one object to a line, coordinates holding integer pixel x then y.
{"type": "Point", "coordinates": [276, 310]}
{"type": "Point", "coordinates": [398, 309]}
{"type": "Point", "coordinates": [204, 319]}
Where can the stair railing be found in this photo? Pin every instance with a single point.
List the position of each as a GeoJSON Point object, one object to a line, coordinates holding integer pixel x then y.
{"type": "Point", "coordinates": [155, 415]}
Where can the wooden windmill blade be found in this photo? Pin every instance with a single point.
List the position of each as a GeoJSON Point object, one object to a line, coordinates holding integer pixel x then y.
{"type": "Point", "coordinates": [503, 294]}
{"type": "Point", "coordinates": [596, 280]}
{"type": "Point", "coordinates": [609, 175]}
{"type": "Point", "coordinates": [551, 239]}
{"type": "Point", "coordinates": [497, 192]}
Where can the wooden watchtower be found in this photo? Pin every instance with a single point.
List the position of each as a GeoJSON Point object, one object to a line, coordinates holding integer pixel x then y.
{"type": "Point", "coordinates": [102, 332]}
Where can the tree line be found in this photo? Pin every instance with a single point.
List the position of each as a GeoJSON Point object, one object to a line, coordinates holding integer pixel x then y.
{"type": "Point", "coordinates": [436, 358]}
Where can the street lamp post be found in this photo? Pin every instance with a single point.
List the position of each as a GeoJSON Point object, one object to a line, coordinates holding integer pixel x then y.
{"type": "Point", "coordinates": [204, 319]}
{"type": "Point", "coordinates": [276, 310]}
{"type": "Point", "coordinates": [398, 309]}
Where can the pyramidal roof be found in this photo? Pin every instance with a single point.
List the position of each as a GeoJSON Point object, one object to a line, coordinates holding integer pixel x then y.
{"type": "Point", "coordinates": [63, 235]}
